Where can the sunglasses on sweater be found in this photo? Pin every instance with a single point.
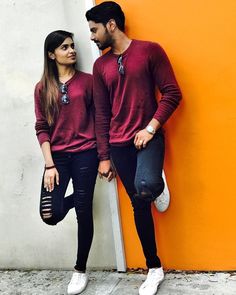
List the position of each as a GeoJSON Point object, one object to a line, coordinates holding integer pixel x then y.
{"type": "Point", "coordinates": [121, 68]}
{"type": "Point", "coordinates": [64, 91]}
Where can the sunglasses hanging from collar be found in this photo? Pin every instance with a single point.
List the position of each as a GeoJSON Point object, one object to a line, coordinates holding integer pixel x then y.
{"type": "Point", "coordinates": [64, 91]}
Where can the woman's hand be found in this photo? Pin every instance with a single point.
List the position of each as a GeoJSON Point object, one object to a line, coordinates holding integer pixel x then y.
{"type": "Point", "coordinates": [142, 138]}
{"type": "Point", "coordinates": [50, 176]}
{"type": "Point", "coordinates": [106, 170]}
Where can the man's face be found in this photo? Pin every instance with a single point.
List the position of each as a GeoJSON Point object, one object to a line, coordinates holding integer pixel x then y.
{"type": "Point", "coordinates": [100, 35]}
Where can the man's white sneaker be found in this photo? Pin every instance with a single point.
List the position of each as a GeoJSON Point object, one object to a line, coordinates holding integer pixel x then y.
{"type": "Point", "coordinates": [78, 283]}
{"type": "Point", "coordinates": [154, 278]}
{"type": "Point", "coordinates": [162, 202]}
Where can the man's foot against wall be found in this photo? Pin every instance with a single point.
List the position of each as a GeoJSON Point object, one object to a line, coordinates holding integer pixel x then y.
{"type": "Point", "coordinates": [162, 202]}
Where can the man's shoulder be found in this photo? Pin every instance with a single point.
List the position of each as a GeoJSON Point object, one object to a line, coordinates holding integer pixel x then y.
{"type": "Point", "coordinates": [146, 44]}
{"type": "Point", "coordinates": [101, 62]}
{"type": "Point", "coordinates": [103, 58]}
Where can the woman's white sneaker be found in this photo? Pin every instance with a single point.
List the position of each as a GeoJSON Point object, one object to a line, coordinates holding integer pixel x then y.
{"type": "Point", "coordinates": [154, 277]}
{"type": "Point", "coordinates": [78, 283]}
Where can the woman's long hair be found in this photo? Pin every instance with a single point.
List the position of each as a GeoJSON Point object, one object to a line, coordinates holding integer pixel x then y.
{"type": "Point", "coordinates": [50, 77]}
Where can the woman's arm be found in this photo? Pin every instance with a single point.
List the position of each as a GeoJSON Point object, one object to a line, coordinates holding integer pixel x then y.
{"type": "Point", "coordinates": [51, 174]}
{"type": "Point", "coordinates": [42, 132]}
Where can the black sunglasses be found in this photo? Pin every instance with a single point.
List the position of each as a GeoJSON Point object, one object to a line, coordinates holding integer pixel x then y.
{"type": "Point", "coordinates": [121, 68]}
{"type": "Point", "coordinates": [64, 91]}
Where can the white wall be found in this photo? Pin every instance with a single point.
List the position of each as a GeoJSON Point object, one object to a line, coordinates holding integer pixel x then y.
{"type": "Point", "coordinates": [25, 241]}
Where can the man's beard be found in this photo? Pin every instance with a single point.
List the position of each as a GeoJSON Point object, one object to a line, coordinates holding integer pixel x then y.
{"type": "Point", "coordinates": [106, 43]}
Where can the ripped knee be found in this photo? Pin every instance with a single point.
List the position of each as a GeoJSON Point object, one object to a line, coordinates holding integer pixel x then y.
{"type": "Point", "coordinates": [149, 191]}
{"type": "Point", "coordinates": [46, 207]}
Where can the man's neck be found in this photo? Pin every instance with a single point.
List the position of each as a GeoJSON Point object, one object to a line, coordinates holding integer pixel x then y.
{"type": "Point", "coordinates": [120, 43]}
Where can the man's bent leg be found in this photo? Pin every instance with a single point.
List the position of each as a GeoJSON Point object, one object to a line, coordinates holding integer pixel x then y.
{"type": "Point", "coordinates": [148, 179]}
{"type": "Point", "coordinates": [142, 210]}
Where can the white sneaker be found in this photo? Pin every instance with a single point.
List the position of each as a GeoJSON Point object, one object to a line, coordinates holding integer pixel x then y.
{"type": "Point", "coordinates": [162, 202]}
{"type": "Point", "coordinates": [78, 283]}
{"type": "Point", "coordinates": [154, 278]}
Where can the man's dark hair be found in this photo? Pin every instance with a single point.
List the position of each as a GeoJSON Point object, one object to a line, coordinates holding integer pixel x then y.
{"type": "Point", "coordinates": [105, 11]}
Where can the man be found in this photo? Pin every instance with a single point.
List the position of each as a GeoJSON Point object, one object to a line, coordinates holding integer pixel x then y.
{"type": "Point", "coordinates": [129, 120]}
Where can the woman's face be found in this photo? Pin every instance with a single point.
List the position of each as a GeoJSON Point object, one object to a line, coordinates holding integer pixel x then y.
{"type": "Point", "coordinates": [64, 54]}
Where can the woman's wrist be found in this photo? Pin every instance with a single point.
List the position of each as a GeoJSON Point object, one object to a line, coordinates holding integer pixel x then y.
{"type": "Point", "coordinates": [47, 167]}
{"type": "Point", "coordinates": [49, 162]}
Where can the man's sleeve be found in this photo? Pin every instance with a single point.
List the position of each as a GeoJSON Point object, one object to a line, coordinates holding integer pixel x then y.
{"type": "Point", "coordinates": [102, 114]}
{"type": "Point", "coordinates": [165, 80]}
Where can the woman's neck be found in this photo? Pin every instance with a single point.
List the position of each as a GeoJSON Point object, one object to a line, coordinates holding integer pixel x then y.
{"type": "Point", "coordinates": [65, 73]}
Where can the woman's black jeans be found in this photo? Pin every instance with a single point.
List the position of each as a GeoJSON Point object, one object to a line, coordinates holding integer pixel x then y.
{"type": "Point", "coordinates": [82, 169]}
{"type": "Point", "coordinates": [141, 174]}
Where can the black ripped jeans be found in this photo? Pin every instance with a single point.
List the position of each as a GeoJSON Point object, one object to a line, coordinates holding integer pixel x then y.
{"type": "Point", "coordinates": [82, 169]}
{"type": "Point", "coordinates": [141, 175]}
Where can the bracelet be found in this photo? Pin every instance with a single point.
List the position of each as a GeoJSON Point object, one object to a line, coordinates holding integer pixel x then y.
{"type": "Point", "coordinates": [50, 167]}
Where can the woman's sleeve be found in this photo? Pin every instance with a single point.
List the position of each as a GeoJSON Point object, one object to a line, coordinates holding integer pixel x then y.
{"type": "Point", "coordinates": [41, 126]}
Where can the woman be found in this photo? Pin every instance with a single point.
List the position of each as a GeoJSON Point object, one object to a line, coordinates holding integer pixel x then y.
{"type": "Point", "coordinates": [65, 130]}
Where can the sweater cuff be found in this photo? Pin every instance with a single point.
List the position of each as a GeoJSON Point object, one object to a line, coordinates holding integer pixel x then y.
{"type": "Point", "coordinates": [160, 119]}
{"type": "Point", "coordinates": [42, 137]}
{"type": "Point", "coordinates": [103, 157]}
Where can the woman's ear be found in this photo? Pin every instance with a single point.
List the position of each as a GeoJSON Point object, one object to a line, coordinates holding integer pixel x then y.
{"type": "Point", "coordinates": [51, 55]}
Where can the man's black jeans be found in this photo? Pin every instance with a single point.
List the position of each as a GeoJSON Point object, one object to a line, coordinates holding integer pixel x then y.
{"type": "Point", "coordinates": [82, 169]}
{"type": "Point", "coordinates": [141, 174]}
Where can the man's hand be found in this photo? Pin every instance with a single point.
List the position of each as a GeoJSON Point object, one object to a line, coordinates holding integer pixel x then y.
{"type": "Point", "coordinates": [142, 138]}
{"type": "Point", "coordinates": [106, 170]}
{"type": "Point", "coordinates": [49, 179]}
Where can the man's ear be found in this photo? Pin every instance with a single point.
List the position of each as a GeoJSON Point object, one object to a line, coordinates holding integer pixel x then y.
{"type": "Point", "coordinates": [51, 55]}
{"type": "Point", "coordinates": [111, 25]}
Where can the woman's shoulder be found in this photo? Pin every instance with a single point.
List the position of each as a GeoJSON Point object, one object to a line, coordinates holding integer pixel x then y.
{"type": "Point", "coordinates": [84, 79]}
{"type": "Point", "coordinates": [38, 87]}
{"type": "Point", "coordinates": [85, 75]}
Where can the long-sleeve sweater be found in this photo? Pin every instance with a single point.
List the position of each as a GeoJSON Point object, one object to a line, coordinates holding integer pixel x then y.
{"type": "Point", "coordinates": [126, 103]}
{"type": "Point", "coordinates": [73, 130]}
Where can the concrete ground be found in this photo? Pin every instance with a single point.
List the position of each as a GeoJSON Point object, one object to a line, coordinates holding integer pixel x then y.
{"type": "Point", "coordinates": [105, 282]}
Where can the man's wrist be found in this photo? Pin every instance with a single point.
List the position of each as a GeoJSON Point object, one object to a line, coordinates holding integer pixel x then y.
{"type": "Point", "coordinates": [150, 129]}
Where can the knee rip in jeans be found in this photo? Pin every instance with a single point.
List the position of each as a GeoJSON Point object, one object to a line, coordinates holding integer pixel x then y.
{"type": "Point", "coordinates": [144, 192]}
{"type": "Point", "coordinates": [46, 207]}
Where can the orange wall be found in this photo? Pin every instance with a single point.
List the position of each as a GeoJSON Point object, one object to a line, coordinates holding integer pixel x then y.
{"type": "Point", "coordinates": [198, 230]}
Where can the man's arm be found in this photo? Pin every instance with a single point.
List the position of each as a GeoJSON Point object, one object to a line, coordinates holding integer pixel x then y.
{"type": "Point", "coordinates": [166, 82]}
{"type": "Point", "coordinates": [102, 123]}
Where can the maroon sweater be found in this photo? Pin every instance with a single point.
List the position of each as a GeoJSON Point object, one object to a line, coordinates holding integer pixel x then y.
{"type": "Point", "coordinates": [126, 103]}
{"type": "Point", "coordinates": [73, 130]}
